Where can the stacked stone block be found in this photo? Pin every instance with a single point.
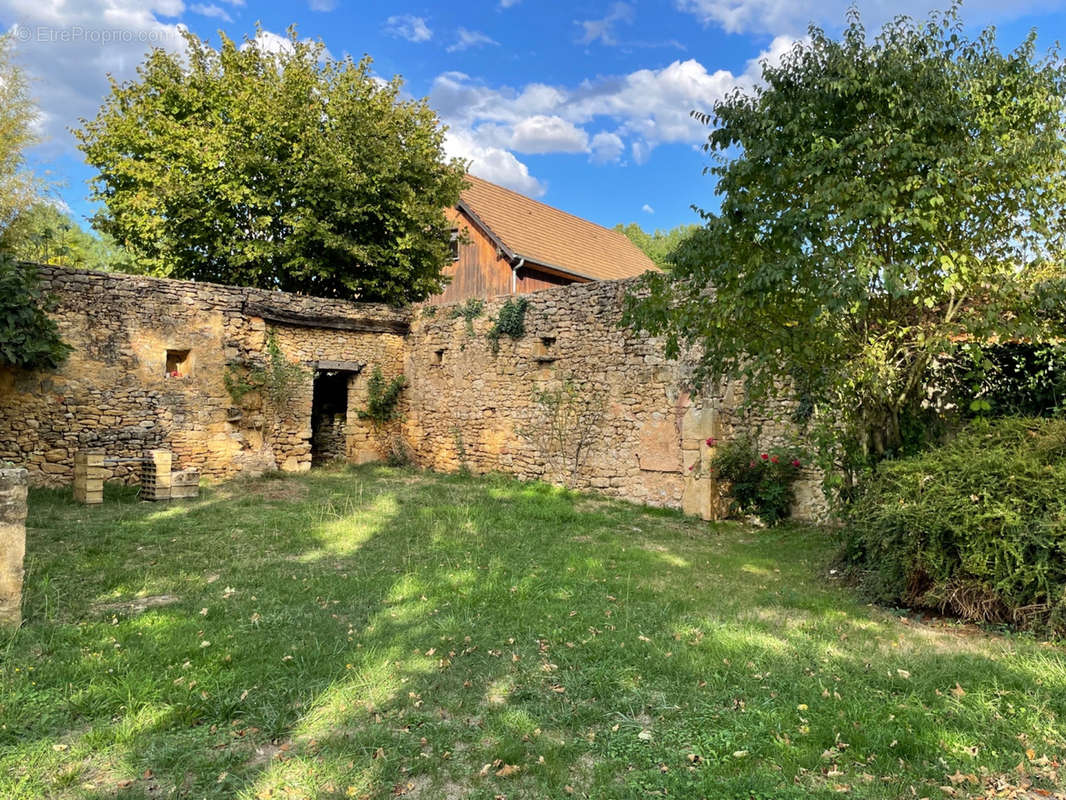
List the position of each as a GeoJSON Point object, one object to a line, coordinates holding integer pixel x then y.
{"type": "Point", "coordinates": [12, 544]}
{"type": "Point", "coordinates": [184, 484]}
{"type": "Point", "coordinates": [156, 475]}
{"type": "Point", "coordinates": [89, 475]}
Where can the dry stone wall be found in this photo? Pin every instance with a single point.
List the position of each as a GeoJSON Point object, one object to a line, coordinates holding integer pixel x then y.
{"type": "Point", "coordinates": [116, 392]}
{"type": "Point", "coordinates": [577, 400]}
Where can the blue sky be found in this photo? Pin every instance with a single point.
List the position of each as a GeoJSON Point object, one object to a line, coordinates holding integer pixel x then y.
{"type": "Point", "coordinates": [584, 105]}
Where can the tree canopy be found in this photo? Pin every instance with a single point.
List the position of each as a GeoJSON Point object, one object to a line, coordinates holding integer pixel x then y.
{"type": "Point", "coordinates": [883, 199]}
{"type": "Point", "coordinates": [18, 186]}
{"type": "Point", "coordinates": [660, 245]}
{"type": "Point", "coordinates": [43, 234]}
{"type": "Point", "coordinates": [285, 169]}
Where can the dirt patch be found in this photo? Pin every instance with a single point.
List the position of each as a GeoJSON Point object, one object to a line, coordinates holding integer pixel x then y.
{"type": "Point", "coordinates": [278, 490]}
{"type": "Point", "coordinates": [138, 605]}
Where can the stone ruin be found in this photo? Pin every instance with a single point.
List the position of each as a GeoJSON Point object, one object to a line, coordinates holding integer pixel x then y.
{"type": "Point", "coordinates": [165, 365]}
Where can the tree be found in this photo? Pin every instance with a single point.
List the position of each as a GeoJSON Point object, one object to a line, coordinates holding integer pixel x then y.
{"type": "Point", "coordinates": [43, 234]}
{"type": "Point", "coordinates": [660, 245]}
{"type": "Point", "coordinates": [285, 170]}
{"type": "Point", "coordinates": [18, 186]}
{"type": "Point", "coordinates": [881, 201]}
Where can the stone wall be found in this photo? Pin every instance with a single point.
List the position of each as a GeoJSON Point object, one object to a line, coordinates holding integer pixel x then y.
{"type": "Point", "coordinates": [577, 401]}
{"type": "Point", "coordinates": [114, 392]}
{"type": "Point", "coordinates": [12, 544]}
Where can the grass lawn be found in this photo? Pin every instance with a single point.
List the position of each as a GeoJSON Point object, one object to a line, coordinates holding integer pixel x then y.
{"type": "Point", "coordinates": [369, 632]}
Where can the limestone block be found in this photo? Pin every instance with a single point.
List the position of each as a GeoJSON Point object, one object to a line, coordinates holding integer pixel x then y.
{"type": "Point", "coordinates": [12, 543]}
{"type": "Point", "coordinates": [89, 475]}
{"type": "Point", "coordinates": [659, 448]}
{"type": "Point", "coordinates": [696, 499]}
{"type": "Point", "coordinates": [699, 423]}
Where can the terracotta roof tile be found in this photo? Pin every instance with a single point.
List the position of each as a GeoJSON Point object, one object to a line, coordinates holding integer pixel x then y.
{"type": "Point", "coordinates": [552, 238]}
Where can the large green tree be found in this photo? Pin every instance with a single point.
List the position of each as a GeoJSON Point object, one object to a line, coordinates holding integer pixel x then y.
{"type": "Point", "coordinates": [659, 245]}
{"type": "Point", "coordinates": [19, 188]}
{"type": "Point", "coordinates": [882, 200]}
{"type": "Point", "coordinates": [280, 168]}
{"type": "Point", "coordinates": [43, 234]}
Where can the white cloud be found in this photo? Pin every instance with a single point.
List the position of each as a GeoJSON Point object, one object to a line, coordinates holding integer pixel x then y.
{"type": "Point", "coordinates": [606, 148]}
{"type": "Point", "coordinates": [603, 29]}
{"type": "Point", "coordinates": [211, 10]}
{"type": "Point", "coordinates": [647, 209]}
{"type": "Point", "coordinates": [68, 49]}
{"type": "Point", "coordinates": [322, 5]}
{"type": "Point", "coordinates": [468, 39]}
{"type": "Point", "coordinates": [644, 109]}
{"type": "Point", "coordinates": [406, 26]}
{"type": "Point", "coordinates": [793, 16]}
{"type": "Point", "coordinates": [270, 42]}
{"type": "Point", "coordinates": [493, 163]}
{"type": "Point", "coordinates": [543, 134]}
{"type": "Point", "coordinates": [509, 3]}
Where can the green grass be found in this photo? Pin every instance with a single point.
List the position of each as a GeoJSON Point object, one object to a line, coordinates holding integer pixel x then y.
{"type": "Point", "coordinates": [373, 632]}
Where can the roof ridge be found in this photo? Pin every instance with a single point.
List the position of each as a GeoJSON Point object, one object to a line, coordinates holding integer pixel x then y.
{"type": "Point", "coordinates": [549, 207]}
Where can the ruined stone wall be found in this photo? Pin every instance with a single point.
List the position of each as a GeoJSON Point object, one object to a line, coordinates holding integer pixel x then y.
{"type": "Point", "coordinates": [113, 392]}
{"type": "Point", "coordinates": [577, 401]}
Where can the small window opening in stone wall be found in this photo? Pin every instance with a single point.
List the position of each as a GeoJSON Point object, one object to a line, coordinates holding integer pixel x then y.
{"type": "Point", "coordinates": [545, 350]}
{"type": "Point", "coordinates": [178, 364]}
{"type": "Point", "coordinates": [455, 244]}
{"type": "Point", "coordinates": [438, 356]}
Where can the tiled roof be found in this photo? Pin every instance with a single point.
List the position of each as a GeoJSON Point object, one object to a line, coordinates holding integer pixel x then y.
{"type": "Point", "coordinates": [550, 237]}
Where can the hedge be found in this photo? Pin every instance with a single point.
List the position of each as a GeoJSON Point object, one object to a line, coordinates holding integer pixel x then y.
{"type": "Point", "coordinates": [975, 528]}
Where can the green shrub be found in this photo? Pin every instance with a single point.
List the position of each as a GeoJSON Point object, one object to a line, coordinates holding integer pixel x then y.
{"type": "Point", "coordinates": [383, 398]}
{"type": "Point", "coordinates": [510, 321]}
{"type": "Point", "coordinates": [976, 527]}
{"type": "Point", "coordinates": [760, 483]}
{"type": "Point", "coordinates": [29, 338]}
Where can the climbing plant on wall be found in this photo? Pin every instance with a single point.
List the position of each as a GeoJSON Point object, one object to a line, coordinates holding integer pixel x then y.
{"type": "Point", "coordinates": [511, 321]}
{"type": "Point", "coordinates": [277, 380]}
{"type": "Point", "coordinates": [383, 398]}
{"type": "Point", "coordinates": [29, 338]}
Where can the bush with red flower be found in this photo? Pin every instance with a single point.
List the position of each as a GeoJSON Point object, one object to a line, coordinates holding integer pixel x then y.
{"type": "Point", "coordinates": [760, 482]}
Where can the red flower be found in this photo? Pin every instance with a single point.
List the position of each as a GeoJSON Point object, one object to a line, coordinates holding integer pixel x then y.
{"type": "Point", "coordinates": [796, 462]}
{"type": "Point", "coordinates": [711, 441]}
{"type": "Point", "coordinates": [764, 457]}
{"type": "Point", "coordinates": [692, 468]}
{"type": "Point", "coordinates": [774, 459]}
{"type": "Point", "coordinates": [752, 464]}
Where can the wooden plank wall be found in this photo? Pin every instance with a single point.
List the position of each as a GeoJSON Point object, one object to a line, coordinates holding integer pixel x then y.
{"type": "Point", "coordinates": [481, 272]}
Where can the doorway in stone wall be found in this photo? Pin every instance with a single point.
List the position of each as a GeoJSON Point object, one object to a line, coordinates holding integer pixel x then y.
{"type": "Point", "coordinates": [329, 415]}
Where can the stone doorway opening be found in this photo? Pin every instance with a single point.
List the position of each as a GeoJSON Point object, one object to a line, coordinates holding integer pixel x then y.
{"type": "Point", "coordinates": [329, 415]}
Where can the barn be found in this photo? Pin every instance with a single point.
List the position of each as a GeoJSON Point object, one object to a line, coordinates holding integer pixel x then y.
{"type": "Point", "coordinates": [507, 243]}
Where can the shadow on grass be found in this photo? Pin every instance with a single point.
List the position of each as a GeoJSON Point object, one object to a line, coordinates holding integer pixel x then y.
{"type": "Point", "coordinates": [377, 633]}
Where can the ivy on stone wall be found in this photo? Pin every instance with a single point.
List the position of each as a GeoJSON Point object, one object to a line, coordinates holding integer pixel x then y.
{"type": "Point", "coordinates": [29, 338]}
{"type": "Point", "coordinates": [383, 398]}
{"type": "Point", "coordinates": [278, 381]}
{"type": "Point", "coordinates": [510, 321]}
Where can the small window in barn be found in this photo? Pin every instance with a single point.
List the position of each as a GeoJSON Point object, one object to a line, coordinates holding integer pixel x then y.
{"type": "Point", "coordinates": [178, 364]}
{"type": "Point", "coordinates": [455, 244]}
{"type": "Point", "coordinates": [438, 357]}
{"type": "Point", "coordinates": [547, 342]}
